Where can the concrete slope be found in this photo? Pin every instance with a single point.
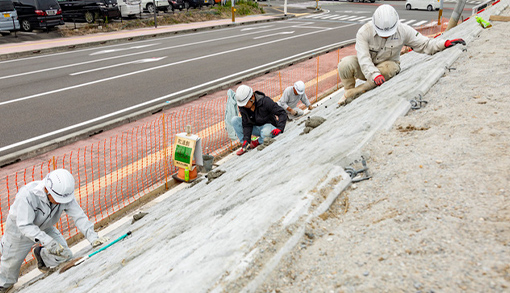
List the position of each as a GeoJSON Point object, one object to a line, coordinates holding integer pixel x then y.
{"type": "Point", "coordinates": [228, 234]}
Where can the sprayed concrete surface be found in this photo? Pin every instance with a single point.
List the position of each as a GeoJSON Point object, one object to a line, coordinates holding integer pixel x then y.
{"type": "Point", "coordinates": [239, 232]}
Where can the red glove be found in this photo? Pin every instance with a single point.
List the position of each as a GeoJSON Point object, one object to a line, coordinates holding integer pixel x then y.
{"type": "Point", "coordinates": [451, 43]}
{"type": "Point", "coordinates": [276, 131]}
{"type": "Point", "coordinates": [379, 80]}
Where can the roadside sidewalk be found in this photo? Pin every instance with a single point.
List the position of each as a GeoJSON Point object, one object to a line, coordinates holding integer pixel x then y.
{"type": "Point", "coordinates": [26, 49]}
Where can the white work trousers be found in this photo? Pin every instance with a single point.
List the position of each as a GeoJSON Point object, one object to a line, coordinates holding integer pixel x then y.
{"type": "Point", "coordinates": [15, 247]}
{"type": "Point", "coordinates": [349, 68]}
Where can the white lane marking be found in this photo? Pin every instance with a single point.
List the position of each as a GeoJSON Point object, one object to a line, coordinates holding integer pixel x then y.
{"type": "Point", "coordinates": [122, 49]}
{"type": "Point", "coordinates": [117, 45]}
{"type": "Point", "coordinates": [147, 60]}
{"type": "Point", "coordinates": [409, 21]}
{"type": "Point", "coordinates": [349, 18]}
{"type": "Point", "coordinates": [171, 95]}
{"type": "Point", "coordinates": [131, 54]}
{"type": "Point", "coordinates": [255, 28]}
{"type": "Point", "coordinates": [357, 18]}
{"type": "Point", "coordinates": [272, 35]}
{"type": "Point", "coordinates": [420, 23]}
{"type": "Point", "coordinates": [402, 19]}
{"type": "Point", "coordinates": [164, 66]}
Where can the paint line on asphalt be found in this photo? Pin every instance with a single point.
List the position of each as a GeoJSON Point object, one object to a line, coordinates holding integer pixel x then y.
{"type": "Point", "coordinates": [166, 97]}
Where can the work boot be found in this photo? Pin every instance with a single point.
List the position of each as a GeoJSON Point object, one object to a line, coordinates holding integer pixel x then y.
{"type": "Point", "coordinates": [241, 151]}
{"type": "Point", "coordinates": [254, 143]}
{"type": "Point", "coordinates": [349, 84]}
{"type": "Point", "coordinates": [40, 263]}
{"type": "Point", "coordinates": [351, 94]}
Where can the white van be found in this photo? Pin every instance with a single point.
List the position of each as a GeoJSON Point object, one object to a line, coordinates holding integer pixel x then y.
{"type": "Point", "coordinates": [422, 4]}
{"type": "Point", "coordinates": [129, 8]}
{"type": "Point", "coordinates": [8, 17]}
{"type": "Point", "coordinates": [148, 5]}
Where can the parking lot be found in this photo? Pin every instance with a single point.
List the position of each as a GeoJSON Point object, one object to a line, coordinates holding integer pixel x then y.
{"type": "Point", "coordinates": [55, 32]}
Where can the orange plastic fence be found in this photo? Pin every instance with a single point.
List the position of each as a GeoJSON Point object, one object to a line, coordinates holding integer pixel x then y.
{"type": "Point", "coordinates": [114, 172]}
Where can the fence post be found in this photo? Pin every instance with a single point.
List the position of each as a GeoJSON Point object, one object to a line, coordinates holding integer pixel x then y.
{"type": "Point", "coordinates": [338, 73]}
{"type": "Point", "coordinates": [165, 151]}
{"type": "Point", "coordinates": [317, 88]}
{"type": "Point", "coordinates": [54, 163]}
{"type": "Point", "coordinates": [280, 77]}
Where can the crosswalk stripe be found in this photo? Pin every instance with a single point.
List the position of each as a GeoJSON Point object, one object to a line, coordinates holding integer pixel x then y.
{"type": "Point", "coordinates": [420, 23]}
{"type": "Point", "coordinates": [361, 19]}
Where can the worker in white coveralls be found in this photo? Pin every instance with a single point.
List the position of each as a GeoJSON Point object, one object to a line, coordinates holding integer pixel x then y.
{"type": "Point", "coordinates": [378, 46]}
{"type": "Point", "coordinates": [291, 97]}
{"type": "Point", "coordinates": [35, 211]}
{"type": "Point", "coordinates": [260, 116]}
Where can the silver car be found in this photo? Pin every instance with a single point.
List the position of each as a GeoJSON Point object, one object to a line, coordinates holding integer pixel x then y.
{"type": "Point", "coordinates": [8, 17]}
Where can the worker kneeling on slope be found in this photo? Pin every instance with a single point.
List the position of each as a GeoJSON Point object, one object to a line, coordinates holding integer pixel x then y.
{"type": "Point", "coordinates": [260, 116]}
{"type": "Point", "coordinates": [35, 211]}
{"type": "Point", "coordinates": [291, 97]}
{"type": "Point", "coordinates": [378, 46]}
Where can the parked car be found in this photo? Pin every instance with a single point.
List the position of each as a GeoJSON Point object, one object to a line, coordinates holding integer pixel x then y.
{"type": "Point", "coordinates": [372, 1]}
{"type": "Point", "coordinates": [423, 4]}
{"type": "Point", "coordinates": [176, 4]}
{"type": "Point", "coordinates": [38, 14]}
{"type": "Point", "coordinates": [129, 8]}
{"type": "Point", "coordinates": [161, 5]}
{"type": "Point", "coordinates": [194, 3]}
{"type": "Point", "coordinates": [8, 17]}
{"type": "Point", "coordinates": [89, 10]}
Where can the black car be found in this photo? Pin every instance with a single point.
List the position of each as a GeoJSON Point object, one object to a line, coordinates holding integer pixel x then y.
{"type": "Point", "coordinates": [195, 3]}
{"type": "Point", "coordinates": [38, 14]}
{"type": "Point", "coordinates": [176, 4]}
{"type": "Point", "coordinates": [89, 10]}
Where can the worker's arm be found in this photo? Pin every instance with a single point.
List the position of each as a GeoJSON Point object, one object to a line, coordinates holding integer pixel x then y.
{"type": "Point", "coordinates": [81, 220]}
{"type": "Point", "coordinates": [247, 125]}
{"type": "Point", "coordinates": [363, 52]}
{"type": "Point", "coordinates": [419, 42]}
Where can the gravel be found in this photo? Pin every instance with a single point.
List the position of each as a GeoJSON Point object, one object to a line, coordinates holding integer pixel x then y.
{"type": "Point", "coordinates": [435, 216]}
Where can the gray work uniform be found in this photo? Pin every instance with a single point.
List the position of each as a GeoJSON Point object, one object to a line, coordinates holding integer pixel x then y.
{"type": "Point", "coordinates": [31, 219]}
{"type": "Point", "coordinates": [372, 49]}
{"type": "Point", "coordinates": [289, 99]}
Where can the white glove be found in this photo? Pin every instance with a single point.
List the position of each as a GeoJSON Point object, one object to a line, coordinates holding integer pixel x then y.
{"type": "Point", "coordinates": [99, 241]}
{"type": "Point", "coordinates": [54, 248]}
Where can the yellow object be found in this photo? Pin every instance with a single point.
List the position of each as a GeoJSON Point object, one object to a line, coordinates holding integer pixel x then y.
{"type": "Point", "coordinates": [483, 22]}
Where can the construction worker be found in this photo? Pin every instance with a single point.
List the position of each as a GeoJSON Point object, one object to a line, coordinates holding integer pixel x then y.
{"type": "Point", "coordinates": [260, 116]}
{"type": "Point", "coordinates": [31, 220]}
{"type": "Point", "coordinates": [290, 98]}
{"type": "Point", "coordinates": [378, 46]}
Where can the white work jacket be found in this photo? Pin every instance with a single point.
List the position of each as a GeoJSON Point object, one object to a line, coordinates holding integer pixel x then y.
{"type": "Point", "coordinates": [372, 49]}
{"type": "Point", "coordinates": [32, 212]}
{"type": "Point", "coordinates": [289, 99]}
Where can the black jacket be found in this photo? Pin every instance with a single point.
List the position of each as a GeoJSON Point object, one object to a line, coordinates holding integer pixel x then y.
{"type": "Point", "coordinates": [266, 111]}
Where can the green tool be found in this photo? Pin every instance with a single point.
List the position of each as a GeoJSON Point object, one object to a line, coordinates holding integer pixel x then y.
{"type": "Point", "coordinates": [81, 259]}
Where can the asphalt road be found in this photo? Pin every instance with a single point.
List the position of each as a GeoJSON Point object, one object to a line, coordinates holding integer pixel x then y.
{"type": "Point", "coordinates": [49, 96]}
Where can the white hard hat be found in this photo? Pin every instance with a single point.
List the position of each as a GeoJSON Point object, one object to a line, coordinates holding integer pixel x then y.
{"type": "Point", "coordinates": [60, 184]}
{"type": "Point", "coordinates": [299, 86]}
{"type": "Point", "coordinates": [385, 20]}
{"type": "Point", "coordinates": [243, 94]}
